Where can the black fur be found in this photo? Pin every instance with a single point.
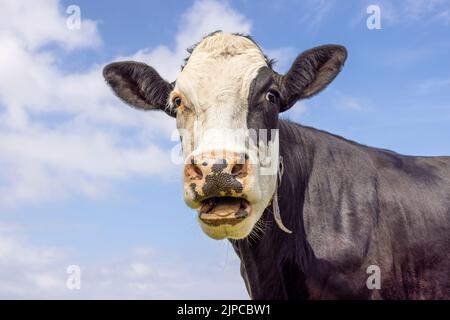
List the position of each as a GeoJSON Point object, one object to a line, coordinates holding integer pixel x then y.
{"type": "Point", "coordinates": [350, 206]}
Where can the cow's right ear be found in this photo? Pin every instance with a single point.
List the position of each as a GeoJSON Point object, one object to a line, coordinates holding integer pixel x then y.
{"type": "Point", "coordinates": [139, 85]}
{"type": "Point", "coordinates": [311, 72]}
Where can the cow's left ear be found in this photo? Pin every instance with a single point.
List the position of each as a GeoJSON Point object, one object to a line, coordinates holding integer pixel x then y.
{"type": "Point", "coordinates": [311, 72]}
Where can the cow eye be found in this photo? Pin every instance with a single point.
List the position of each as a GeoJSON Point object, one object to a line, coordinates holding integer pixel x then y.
{"type": "Point", "coordinates": [271, 96]}
{"type": "Point", "coordinates": [177, 101]}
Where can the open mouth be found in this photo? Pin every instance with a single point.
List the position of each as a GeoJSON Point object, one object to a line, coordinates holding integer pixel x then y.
{"type": "Point", "coordinates": [224, 210]}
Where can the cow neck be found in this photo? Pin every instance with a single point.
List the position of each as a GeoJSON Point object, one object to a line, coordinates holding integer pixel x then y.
{"type": "Point", "coordinates": [274, 262]}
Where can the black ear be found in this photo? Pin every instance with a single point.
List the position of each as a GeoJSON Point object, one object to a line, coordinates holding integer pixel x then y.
{"type": "Point", "coordinates": [139, 85]}
{"type": "Point", "coordinates": [311, 72]}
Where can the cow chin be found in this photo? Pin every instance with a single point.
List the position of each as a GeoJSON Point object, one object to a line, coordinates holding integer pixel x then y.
{"type": "Point", "coordinates": [219, 232]}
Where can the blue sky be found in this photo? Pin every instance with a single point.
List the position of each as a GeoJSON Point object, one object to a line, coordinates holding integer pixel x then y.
{"type": "Point", "coordinates": [87, 180]}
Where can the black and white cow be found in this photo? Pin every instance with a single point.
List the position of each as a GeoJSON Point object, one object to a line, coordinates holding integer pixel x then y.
{"type": "Point", "coordinates": [339, 207]}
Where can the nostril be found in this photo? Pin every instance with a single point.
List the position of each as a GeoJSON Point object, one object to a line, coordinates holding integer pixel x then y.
{"type": "Point", "coordinates": [198, 172]}
{"type": "Point", "coordinates": [193, 170]}
{"type": "Point", "coordinates": [237, 169]}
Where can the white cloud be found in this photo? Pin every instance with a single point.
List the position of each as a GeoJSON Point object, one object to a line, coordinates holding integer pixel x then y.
{"type": "Point", "coordinates": [28, 271]}
{"type": "Point", "coordinates": [24, 267]}
{"type": "Point", "coordinates": [65, 133]}
{"type": "Point", "coordinates": [85, 146]}
{"type": "Point", "coordinates": [36, 25]}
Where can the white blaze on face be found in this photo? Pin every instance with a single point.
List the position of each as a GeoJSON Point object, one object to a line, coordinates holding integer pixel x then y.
{"type": "Point", "coordinates": [214, 87]}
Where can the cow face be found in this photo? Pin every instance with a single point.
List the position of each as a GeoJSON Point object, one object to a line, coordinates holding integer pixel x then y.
{"type": "Point", "coordinates": [226, 101]}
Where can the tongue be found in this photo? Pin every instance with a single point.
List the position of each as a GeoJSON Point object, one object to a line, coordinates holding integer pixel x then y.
{"type": "Point", "coordinates": [226, 207]}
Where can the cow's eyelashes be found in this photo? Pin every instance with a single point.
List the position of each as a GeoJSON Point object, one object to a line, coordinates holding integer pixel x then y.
{"type": "Point", "coordinates": [177, 101]}
{"type": "Point", "coordinates": [272, 96]}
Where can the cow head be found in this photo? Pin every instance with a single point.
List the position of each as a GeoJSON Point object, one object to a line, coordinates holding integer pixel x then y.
{"type": "Point", "coordinates": [226, 102]}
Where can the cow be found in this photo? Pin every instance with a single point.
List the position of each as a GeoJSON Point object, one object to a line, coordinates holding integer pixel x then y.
{"type": "Point", "coordinates": [311, 215]}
